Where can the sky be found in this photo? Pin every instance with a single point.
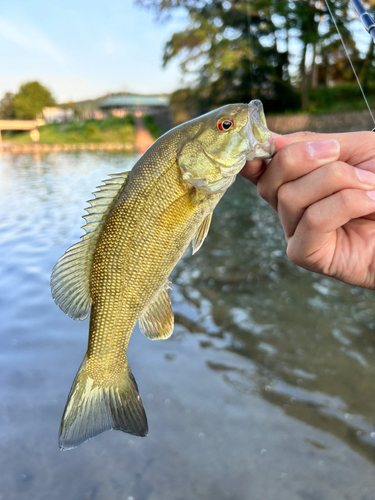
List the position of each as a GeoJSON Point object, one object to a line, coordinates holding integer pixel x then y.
{"type": "Point", "coordinates": [83, 49]}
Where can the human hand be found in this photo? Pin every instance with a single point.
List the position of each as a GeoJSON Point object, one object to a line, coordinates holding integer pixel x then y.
{"type": "Point", "coordinates": [323, 189]}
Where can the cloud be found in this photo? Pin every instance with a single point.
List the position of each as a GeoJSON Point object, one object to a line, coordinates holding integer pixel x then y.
{"type": "Point", "coordinates": [29, 38]}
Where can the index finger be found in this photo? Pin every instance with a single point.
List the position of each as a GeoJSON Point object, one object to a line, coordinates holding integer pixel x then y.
{"type": "Point", "coordinates": [355, 147]}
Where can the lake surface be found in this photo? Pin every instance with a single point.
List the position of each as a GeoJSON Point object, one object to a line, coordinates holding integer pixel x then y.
{"type": "Point", "coordinates": [265, 391]}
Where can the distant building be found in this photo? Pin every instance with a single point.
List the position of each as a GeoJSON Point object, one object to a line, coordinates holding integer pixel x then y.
{"type": "Point", "coordinates": [122, 104]}
{"type": "Point", "coordinates": [139, 105]}
{"type": "Point", "coordinates": [58, 115]}
{"type": "Point", "coordinates": [97, 114]}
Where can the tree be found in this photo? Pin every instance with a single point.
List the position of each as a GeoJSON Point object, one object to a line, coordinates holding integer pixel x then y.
{"type": "Point", "coordinates": [266, 49]}
{"type": "Point", "coordinates": [323, 59]}
{"type": "Point", "coordinates": [30, 100]}
{"type": "Point", "coordinates": [232, 50]}
{"type": "Point", "coordinates": [6, 106]}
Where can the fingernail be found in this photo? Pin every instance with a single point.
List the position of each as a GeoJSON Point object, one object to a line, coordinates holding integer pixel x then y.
{"type": "Point", "coordinates": [365, 176]}
{"type": "Point", "coordinates": [371, 194]}
{"type": "Point", "coordinates": [323, 149]}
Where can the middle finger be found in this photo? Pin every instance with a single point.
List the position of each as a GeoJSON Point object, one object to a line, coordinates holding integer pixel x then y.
{"type": "Point", "coordinates": [294, 197]}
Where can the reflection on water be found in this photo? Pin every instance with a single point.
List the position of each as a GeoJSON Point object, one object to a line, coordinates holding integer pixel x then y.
{"type": "Point", "coordinates": [270, 373]}
{"type": "Point", "coordinates": [311, 339]}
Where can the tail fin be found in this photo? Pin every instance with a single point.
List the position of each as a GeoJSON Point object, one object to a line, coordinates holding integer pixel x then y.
{"type": "Point", "coordinates": [94, 407]}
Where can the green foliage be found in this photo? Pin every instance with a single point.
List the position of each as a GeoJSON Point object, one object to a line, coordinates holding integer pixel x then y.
{"type": "Point", "coordinates": [344, 97]}
{"type": "Point", "coordinates": [6, 107]}
{"type": "Point", "coordinates": [152, 126]}
{"type": "Point", "coordinates": [184, 105]}
{"type": "Point", "coordinates": [30, 100]}
{"type": "Point", "coordinates": [273, 50]}
{"type": "Point", "coordinates": [231, 63]}
{"type": "Point", "coordinates": [110, 130]}
{"type": "Point", "coordinates": [92, 132]}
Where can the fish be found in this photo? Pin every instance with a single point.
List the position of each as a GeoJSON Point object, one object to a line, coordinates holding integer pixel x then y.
{"type": "Point", "coordinates": [138, 226]}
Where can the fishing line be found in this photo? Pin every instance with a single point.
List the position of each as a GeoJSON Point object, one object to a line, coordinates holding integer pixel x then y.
{"type": "Point", "coordinates": [249, 40]}
{"type": "Point", "coordinates": [350, 60]}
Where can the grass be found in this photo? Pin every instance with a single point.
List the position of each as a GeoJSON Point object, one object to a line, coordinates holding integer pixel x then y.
{"type": "Point", "coordinates": [345, 97]}
{"type": "Point", "coordinates": [113, 130]}
{"type": "Point", "coordinates": [152, 126]}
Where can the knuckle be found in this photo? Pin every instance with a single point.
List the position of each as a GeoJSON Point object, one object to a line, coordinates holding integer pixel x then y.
{"type": "Point", "coordinates": [338, 172]}
{"type": "Point", "coordinates": [311, 218]}
{"type": "Point", "coordinates": [293, 254]}
{"type": "Point", "coordinates": [291, 157]}
{"type": "Point", "coordinates": [284, 156]}
{"type": "Point", "coordinates": [284, 194]}
{"type": "Point", "coordinates": [345, 199]}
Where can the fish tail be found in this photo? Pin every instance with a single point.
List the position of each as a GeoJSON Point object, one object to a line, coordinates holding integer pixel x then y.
{"type": "Point", "coordinates": [94, 407]}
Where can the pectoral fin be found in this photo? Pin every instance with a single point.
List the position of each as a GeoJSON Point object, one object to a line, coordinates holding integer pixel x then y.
{"type": "Point", "coordinates": [157, 320]}
{"type": "Point", "coordinates": [201, 233]}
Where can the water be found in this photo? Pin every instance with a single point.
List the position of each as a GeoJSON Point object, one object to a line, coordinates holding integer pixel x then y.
{"type": "Point", "coordinates": [265, 390]}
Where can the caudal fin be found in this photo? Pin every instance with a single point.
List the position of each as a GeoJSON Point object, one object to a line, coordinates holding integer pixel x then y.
{"type": "Point", "coordinates": [94, 407]}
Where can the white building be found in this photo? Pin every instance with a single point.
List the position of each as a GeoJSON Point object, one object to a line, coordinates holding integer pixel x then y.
{"type": "Point", "coordinates": [58, 115]}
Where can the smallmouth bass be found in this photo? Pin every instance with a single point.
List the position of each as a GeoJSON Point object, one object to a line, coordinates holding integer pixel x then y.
{"type": "Point", "coordinates": [137, 228]}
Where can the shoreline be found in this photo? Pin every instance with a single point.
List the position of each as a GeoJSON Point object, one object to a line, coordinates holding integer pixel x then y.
{"type": "Point", "coordinates": [46, 148]}
{"type": "Point", "coordinates": [349, 121]}
{"type": "Point", "coordinates": [143, 141]}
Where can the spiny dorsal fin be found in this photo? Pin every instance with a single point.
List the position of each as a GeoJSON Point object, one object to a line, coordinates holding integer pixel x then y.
{"type": "Point", "coordinates": [71, 274]}
{"type": "Point", "coordinates": [157, 320]}
{"type": "Point", "coordinates": [201, 233]}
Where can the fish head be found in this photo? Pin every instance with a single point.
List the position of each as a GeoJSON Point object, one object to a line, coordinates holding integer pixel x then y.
{"type": "Point", "coordinates": [216, 146]}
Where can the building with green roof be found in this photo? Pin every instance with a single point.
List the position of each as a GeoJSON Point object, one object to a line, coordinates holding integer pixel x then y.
{"type": "Point", "coordinates": [139, 105]}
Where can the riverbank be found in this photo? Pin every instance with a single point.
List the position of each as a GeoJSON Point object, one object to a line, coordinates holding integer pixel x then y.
{"type": "Point", "coordinates": [109, 130]}
{"type": "Point", "coordinates": [345, 121]}
{"type": "Point", "coordinates": [9, 147]}
{"type": "Point", "coordinates": [139, 137]}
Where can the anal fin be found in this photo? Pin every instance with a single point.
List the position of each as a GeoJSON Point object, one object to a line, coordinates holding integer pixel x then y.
{"type": "Point", "coordinates": [157, 319]}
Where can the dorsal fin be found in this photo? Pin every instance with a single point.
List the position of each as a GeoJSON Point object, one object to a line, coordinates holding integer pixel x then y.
{"type": "Point", "coordinates": [71, 274]}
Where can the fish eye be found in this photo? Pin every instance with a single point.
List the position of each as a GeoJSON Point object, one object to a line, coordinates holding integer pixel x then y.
{"type": "Point", "coordinates": [225, 124]}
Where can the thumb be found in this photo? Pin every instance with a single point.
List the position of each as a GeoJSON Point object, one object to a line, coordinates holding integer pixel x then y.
{"type": "Point", "coordinates": [253, 169]}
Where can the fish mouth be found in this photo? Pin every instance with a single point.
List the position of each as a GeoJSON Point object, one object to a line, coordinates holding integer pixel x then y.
{"type": "Point", "coordinates": [260, 137]}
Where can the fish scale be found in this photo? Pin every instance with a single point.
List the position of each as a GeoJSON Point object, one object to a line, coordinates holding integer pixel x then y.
{"type": "Point", "coordinates": [138, 228]}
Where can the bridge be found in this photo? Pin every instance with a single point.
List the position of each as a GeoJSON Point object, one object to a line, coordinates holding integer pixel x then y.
{"type": "Point", "coordinates": [31, 125]}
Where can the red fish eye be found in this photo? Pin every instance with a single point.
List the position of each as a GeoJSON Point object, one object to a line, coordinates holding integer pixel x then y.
{"type": "Point", "coordinates": [225, 124]}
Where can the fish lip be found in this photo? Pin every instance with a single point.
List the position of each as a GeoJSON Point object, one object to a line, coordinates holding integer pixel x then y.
{"type": "Point", "coordinates": [259, 148]}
